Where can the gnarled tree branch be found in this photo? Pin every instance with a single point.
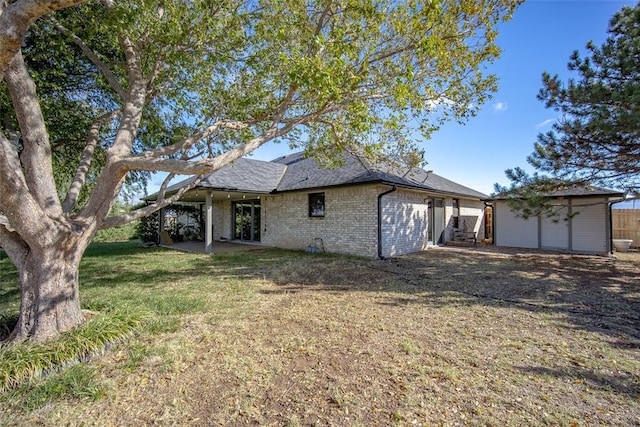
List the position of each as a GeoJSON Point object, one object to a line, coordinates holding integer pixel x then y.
{"type": "Point", "coordinates": [118, 220]}
{"type": "Point", "coordinates": [186, 143]}
{"type": "Point", "coordinates": [22, 211]}
{"type": "Point", "coordinates": [85, 161]}
{"type": "Point", "coordinates": [12, 243]}
{"type": "Point", "coordinates": [36, 154]}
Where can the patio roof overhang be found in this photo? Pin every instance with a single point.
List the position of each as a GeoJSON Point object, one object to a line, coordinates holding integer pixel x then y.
{"type": "Point", "coordinates": [207, 197]}
{"type": "Point", "coordinates": [199, 195]}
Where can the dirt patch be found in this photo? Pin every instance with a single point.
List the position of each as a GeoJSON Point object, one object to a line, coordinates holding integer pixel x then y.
{"type": "Point", "coordinates": [445, 337]}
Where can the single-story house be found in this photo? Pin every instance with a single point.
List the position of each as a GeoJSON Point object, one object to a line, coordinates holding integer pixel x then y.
{"type": "Point", "coordinates": [357, 209]}
{"type": "Point", "coordinates": [582, 222]}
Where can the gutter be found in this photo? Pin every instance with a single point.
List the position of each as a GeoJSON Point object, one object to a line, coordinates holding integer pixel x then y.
{"type": "Point", "coordinates": [611, 220]}
{"type": "Point", "coordinates": [393, 188]}
{"type": "Point", "coordinates": [385, 182]}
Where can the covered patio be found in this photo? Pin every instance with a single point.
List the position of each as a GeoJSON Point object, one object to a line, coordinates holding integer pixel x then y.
{"type": "Point", "coordinates": [241, 201]}
{"type": "Point", "coordinates": [216, 247]}
{"type": "Point", "coordinates": [236, 190]}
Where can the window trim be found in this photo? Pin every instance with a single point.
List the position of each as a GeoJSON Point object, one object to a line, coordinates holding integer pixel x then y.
{"type": "Point", "coordinates": [313, 197]}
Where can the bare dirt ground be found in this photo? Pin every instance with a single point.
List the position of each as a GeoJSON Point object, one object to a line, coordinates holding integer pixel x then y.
{"type": "Point", "coordinates": [445, 337]}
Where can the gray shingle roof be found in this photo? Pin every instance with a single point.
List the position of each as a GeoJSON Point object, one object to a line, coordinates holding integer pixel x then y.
{"type": "Point", "coordinates": [248, 175]}
{"type": "Point", "coordinates": [305, 173]}
{"type": "Point", "coordinates": [578, 191]}
{"type": "Point", "coordinates": [296, 172]}
{"type": "Point", "coordinates": [243, 175]}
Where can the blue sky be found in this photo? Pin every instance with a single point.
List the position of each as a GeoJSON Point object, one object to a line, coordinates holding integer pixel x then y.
{"type": "Point", "coordinates": [540, 37]}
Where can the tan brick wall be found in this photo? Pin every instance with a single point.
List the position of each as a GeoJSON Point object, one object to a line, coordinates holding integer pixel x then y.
{"type": "Point", "coordinates": [349, 225]}
{"type": "Point", "coordinates": [222, 219]}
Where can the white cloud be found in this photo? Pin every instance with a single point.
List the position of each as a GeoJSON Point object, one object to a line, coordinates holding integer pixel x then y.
{"type": "Point", "coordinates": [499, 107]}
{"type": "Point", "coordinates": [545, 123]}
{"type": "Point", "coordinates": [435, 103]}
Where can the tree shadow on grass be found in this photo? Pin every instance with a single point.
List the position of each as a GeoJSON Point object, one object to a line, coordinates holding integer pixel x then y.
{"type": "Point", "coordinates": [593, 294]}
{"type": "Point", "coordinates": [625, 384]}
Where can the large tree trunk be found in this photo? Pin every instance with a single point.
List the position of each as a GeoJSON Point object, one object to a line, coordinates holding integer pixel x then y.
{"type": "Point", "coordinates": [49, 292]}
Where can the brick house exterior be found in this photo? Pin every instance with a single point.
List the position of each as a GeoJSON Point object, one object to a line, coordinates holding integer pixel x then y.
{"type": "Point", "coordinates": [356, 209]}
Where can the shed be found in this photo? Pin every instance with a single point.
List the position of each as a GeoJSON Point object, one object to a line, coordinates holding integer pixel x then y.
{"type": "Point", "coordinates": [581, 222]}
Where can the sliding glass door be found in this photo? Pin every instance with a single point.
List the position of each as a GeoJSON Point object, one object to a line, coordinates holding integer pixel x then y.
{"type": "Point", "coordinates": [435, 211]}
{"type": "Point", "coordinates": [246, 220]}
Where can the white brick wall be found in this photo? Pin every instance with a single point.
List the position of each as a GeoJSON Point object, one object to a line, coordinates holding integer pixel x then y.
{"type": "Point", "coordinates": [404, 222]}
{"type": "Point", "coordinates": [471, 217]}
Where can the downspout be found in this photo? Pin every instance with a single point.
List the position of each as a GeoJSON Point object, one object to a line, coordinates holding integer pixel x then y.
{"type": "Point", "coordinates": [611, 227]}
{"type": "Point", "coordinates": [493, 222]}
{"type": "Point", "coordinates": [393, 188]}
{"type": "Point", "coordinates": [611, 220]}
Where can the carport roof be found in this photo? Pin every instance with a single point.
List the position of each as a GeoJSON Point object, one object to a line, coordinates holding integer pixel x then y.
{"type": "Point", "coordinates": [572, 191]}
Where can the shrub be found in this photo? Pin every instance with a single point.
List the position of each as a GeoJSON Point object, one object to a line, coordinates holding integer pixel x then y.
{"type": "Point", "coordinates": [118, 234]}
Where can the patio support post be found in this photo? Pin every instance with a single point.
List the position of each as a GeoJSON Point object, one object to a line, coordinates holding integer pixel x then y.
{"type": "Point", "coordinates": [208, 239]}
{"type": "Point", "coordinates": [160, 224]}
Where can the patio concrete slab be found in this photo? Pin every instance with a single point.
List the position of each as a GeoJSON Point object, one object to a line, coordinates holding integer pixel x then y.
{"type": "Point", "coordinates": [199, 247]}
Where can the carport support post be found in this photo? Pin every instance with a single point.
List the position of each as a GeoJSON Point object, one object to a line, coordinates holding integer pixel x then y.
{"type": "Point", "coordinates": [208, 235]}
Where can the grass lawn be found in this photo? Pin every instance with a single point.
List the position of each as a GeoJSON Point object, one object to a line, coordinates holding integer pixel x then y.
{"type": "Point", "coordinates": [271, 337]}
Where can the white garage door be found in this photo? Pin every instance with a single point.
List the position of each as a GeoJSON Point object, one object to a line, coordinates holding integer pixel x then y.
{"type": "Point", "coordinates": [555, 230]}
{"type": "Point", "coordinates": [589, 230]}
{"type": "Point", "coordinates": [513, 231]}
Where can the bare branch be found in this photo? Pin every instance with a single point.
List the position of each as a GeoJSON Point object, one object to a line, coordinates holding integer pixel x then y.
{"type": "Point", "coordinates": [157, 68]}
{"type": "Point", "coordinates": [117, 221]}
{"type": "Point", "coordinates": [113, 174]}
{"type": "Point", "coordinates": [131, 53]}
{"type": "Point", "coordinates": [85, 161]}
{"type": "Point", "coordinates": [91, 55]}
{"type": "Point", "coordinates": [199, 135]}
{"type": "Point", "coordinates": [134, 101]}
{"type": "Point", "coordinates": [186, 143]}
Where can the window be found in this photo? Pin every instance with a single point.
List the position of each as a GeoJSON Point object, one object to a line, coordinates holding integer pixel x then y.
{"type": "Point", "coordinates": [316, 204]}
{"type": "Point", "coordinates": [456, 213]}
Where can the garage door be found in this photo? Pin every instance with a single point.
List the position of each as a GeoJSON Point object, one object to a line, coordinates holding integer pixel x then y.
{"type": "Point", "coordinates": [555, 230]}
{"type": "Point", "coordinates": [513, 231]}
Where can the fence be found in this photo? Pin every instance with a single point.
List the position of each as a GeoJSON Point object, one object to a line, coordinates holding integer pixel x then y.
{"type": "Point", "coordinates": [626, 225]}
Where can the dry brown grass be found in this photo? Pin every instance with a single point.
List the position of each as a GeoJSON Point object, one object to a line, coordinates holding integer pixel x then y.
{"type": "Point", "coordinates": [446, 337]}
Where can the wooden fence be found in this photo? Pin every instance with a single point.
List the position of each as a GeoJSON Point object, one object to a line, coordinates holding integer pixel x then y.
{"type": "Point", "coordinates": [626, 225]}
